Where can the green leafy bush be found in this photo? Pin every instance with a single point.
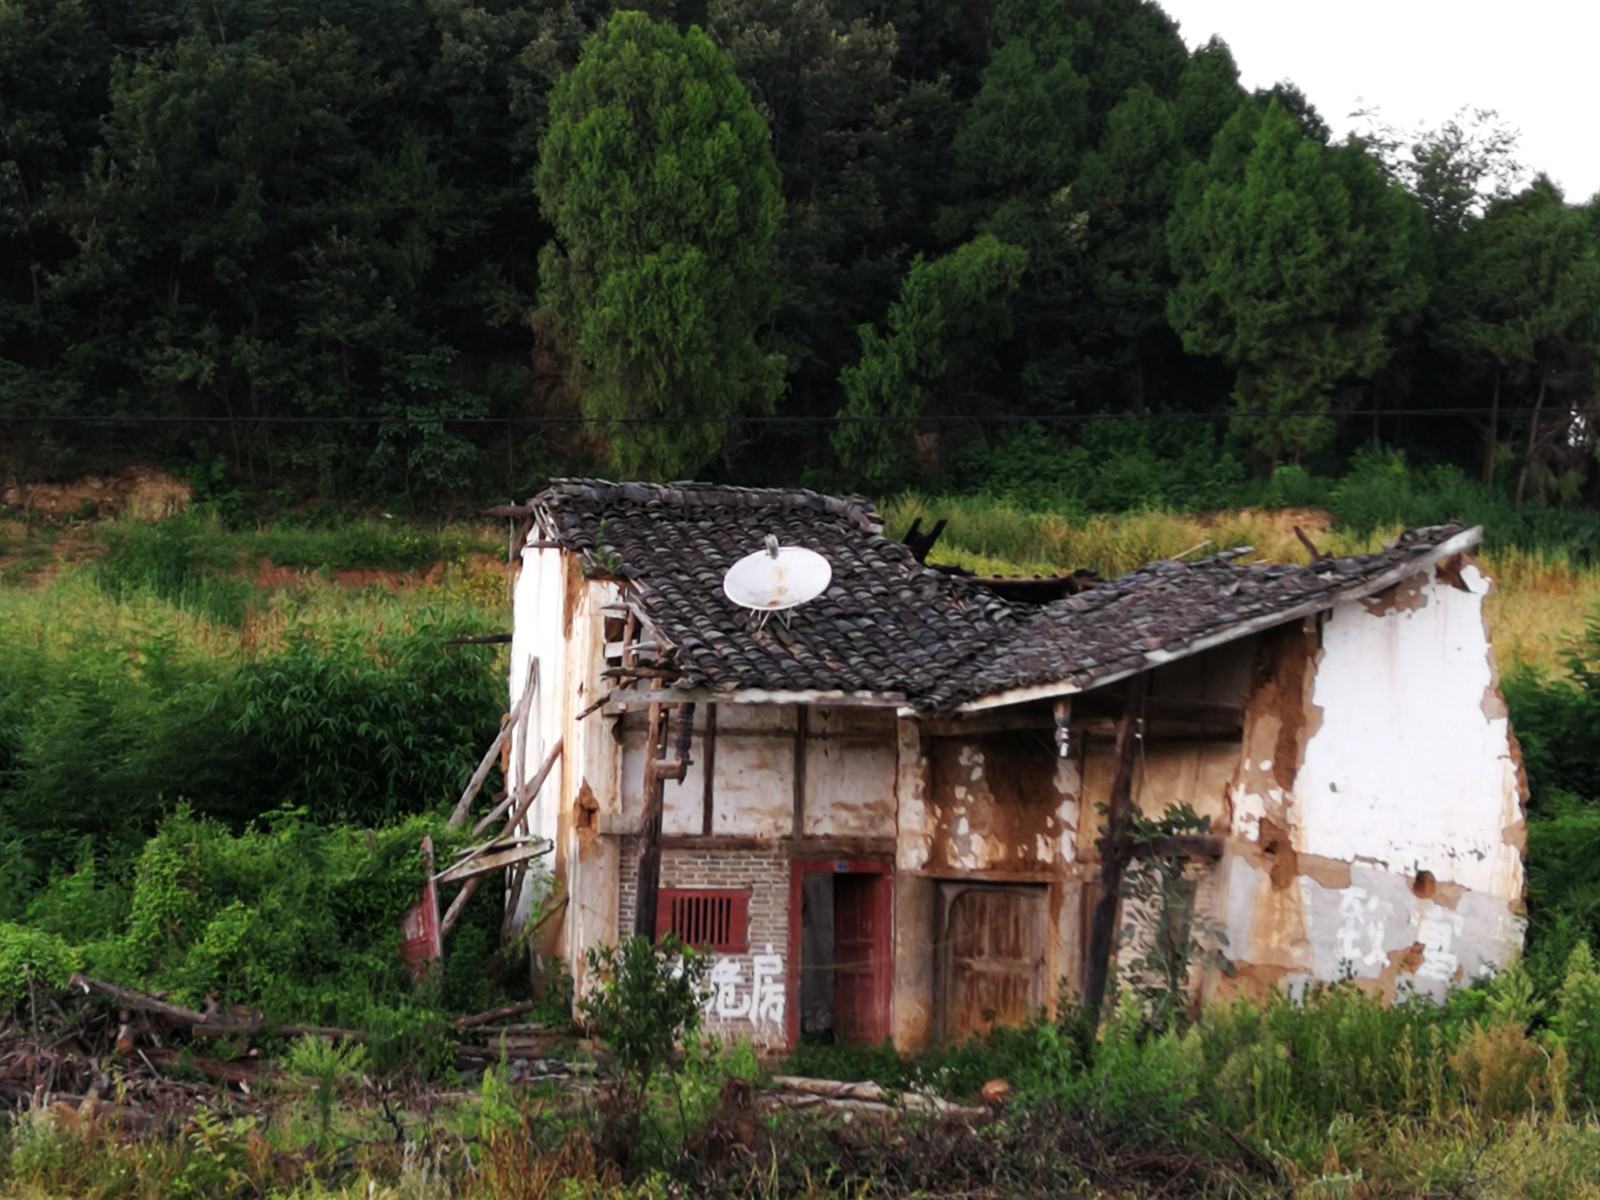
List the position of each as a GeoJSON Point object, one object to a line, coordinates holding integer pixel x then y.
{"type": "Point", "coordinates": [353, 711]}
{"type": "Point", "coordinates": [645, 999]}
{"type": "Point", "coordinates": [32, 959]}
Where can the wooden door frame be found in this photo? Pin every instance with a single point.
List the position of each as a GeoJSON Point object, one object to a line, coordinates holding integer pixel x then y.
{"type": "Point", "coordinates": [943, 968]}
{"type": "Point", "coordinates": [884, 943]}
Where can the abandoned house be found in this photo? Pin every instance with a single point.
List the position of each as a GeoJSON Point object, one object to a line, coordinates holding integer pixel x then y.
{"type": "Point", "coordinates": [903, 809]}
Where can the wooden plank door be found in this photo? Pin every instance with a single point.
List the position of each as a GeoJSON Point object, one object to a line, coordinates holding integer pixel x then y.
{"type": "Point", "coordinates": [994, 972]}
{"type": "Point", "coordinates": [860, 928]}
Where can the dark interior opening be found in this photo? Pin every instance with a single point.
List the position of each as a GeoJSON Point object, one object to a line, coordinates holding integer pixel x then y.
{"type": "Point", "coordinates": [817, 1021]}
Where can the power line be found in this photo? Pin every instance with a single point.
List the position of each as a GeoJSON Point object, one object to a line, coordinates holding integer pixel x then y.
{"type": "Point", "coordinates": [413, 421]}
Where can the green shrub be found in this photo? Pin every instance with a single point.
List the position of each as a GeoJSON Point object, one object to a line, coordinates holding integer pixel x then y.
{"type": "Point", "coordinates": [109, 714]}
{"type": "Point", "coordinates": [1576, 1021]}
{"type": "Point", "coordinates": [32, 961]}
{"type": "Point", "coordinates": [646, 997]}
{"type": "Point", "coordinates": [181, 560]}
{"type": "Point", "coordinates": [321, 1067]}
{"type": "Point", "coordinates": [1105, 466]}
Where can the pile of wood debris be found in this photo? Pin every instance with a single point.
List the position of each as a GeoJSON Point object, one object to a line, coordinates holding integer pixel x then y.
{"type": "Point", "coordinates": [158, 1061]}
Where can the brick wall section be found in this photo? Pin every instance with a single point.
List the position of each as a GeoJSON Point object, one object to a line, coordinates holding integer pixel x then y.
{"type": "Point", "coordinates": [744, 1004]}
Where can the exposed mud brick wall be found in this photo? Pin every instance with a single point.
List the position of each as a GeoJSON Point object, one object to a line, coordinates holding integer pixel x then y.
{"type": "Point", "coordinates": [1001, 801]}
{"type": "Point", "coordinates": [749, 991]}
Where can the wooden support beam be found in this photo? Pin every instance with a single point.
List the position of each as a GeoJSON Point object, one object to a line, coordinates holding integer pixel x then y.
{"type": "Point", "coordinates": [453, 913]}
{"type": "Point", "coordinates": [1166, 708]}
{"type": "Point", "coordinates": [1114, 850]}
{"type": "Point", "coordinates": [708, 771]}
{"type": "Point", "coordinates": [493, 860]}
{"type": "Point", "coordinates": [529, 794]}
{"type": "Point", "coordinates": [644, 910]}
{"type": "Point", "coordinates": [464, 805]}
{"type": "Point", "coordinates": [479, 639]}
{"type": "Point", "coordinates": [801, 721]}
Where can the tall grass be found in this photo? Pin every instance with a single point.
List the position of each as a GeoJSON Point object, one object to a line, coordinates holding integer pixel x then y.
{"type": "Point", "coordinates": [135, 682]}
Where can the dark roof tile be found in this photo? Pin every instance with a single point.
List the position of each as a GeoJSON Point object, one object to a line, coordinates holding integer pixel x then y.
{"type": "Point", "coordinates": [889, 625]}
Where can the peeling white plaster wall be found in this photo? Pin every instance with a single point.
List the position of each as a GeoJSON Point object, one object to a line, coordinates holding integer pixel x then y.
{"type": "Point", "coordinates": [1412, 769]}
{"type": "Point", "coordinates": [1409, 768]}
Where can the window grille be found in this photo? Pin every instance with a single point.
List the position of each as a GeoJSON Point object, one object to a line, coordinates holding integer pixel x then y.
{"type": "Point", "coordinates": [706, 918]}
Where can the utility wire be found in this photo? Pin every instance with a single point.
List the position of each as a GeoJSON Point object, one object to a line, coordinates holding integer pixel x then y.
{"type": "Point", "coordinates": [1013, 418]}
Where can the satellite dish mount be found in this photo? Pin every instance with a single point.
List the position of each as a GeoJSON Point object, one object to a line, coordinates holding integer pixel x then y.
{"type": "Point", "coordinates": [777, 579]}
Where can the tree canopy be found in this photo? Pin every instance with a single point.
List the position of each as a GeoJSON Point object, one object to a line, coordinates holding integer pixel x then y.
{"type": "Point", "coordinates": [660, 184]}
{"type": "Point", "coordinates": [420, 250]}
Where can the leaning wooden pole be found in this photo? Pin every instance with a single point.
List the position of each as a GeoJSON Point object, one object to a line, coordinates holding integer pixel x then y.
{"type": "Point", "coordinates": [644, 910]}
{"type": "Point", "coordinates": [1114, 851]}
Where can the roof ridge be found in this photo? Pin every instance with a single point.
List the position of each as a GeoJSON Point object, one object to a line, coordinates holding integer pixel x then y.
{"type": "Point", "coordinates": [696, 494]}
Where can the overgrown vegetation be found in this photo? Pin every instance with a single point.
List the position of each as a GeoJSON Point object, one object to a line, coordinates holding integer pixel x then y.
{"type": "Point", "coordinates": [216, 784]}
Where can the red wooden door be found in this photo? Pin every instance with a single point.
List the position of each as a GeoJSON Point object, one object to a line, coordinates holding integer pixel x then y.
{"type": "Point", "coordinates": [860, 928]}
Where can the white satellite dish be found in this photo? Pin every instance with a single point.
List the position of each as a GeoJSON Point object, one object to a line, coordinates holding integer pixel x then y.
{"type": "Point", "coordinates": [774, 579]}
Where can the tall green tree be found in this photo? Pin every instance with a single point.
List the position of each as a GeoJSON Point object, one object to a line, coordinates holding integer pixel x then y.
{"type": "Point", "coordinates": [1521, 300]}
{"type": "Point", "coordinates": [848, 141]}
{"type": "Point", "coordinates": [1208, 94]}
{"type": "Point", "coordinates": [658, 178]}
{"type": "Point", "coordinates": [937, 355]}
{"type": "Point", "coordinates": [1294, 270]}
{"type": "Point", "coordinates": [1127, 188]}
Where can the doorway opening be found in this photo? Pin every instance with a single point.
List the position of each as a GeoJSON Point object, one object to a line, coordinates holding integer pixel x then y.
{"type": "Point", "coordinates": [840, 939]}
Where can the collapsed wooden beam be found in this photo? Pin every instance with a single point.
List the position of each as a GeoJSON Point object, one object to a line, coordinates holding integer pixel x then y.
{"type": "Point", "coordinates": [1114, 850]}
{"type": "Point", "coordinates": [529, 794]}
{"type": "Point", "coordinates": [493, 860]}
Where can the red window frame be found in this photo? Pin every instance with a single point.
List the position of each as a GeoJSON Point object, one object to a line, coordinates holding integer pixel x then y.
{"type": "Point", "coordinates": [706, 918]}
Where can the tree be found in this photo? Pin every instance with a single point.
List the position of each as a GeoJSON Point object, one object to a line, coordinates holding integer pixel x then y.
{"type": "Point", "coordinates": [1127, 188]}
{"type": "Point", "coordinates": [942, 333]}
{"type": "Point", "coordinates": [658, 179]}
{"type": "Point", "coordinates": [855, 198]}
{"type": "Point", "coordinates": [1294, 271]}
{"type": "Point", "coordinates": [1025, 131]}
{"type": "Point", "coordinates": [1523, 300]}
{"type": "Point", "coordinates": [1454, 171]}
{"type": "Point", "coordinates": [1208, 94]}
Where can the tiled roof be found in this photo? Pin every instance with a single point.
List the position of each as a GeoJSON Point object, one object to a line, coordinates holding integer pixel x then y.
{"type": "Point", "coordinates": [889, 626]}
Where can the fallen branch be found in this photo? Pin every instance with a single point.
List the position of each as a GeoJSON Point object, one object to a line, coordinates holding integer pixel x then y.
{"type": "Point", "coordinates": [201, 1024]}
{"type": "Point", "coordinates": [834, 1091]}
{"type": "Point", "coordinates": [141, 1001]}
{"type": "Point", "coordinates": [494, 1014]}
{"type": "Point", "coordinates": [162, 1057]}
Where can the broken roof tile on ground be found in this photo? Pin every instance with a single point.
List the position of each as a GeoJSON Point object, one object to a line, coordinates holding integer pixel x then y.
{"type": "Point", "coordinates": [889, 626]}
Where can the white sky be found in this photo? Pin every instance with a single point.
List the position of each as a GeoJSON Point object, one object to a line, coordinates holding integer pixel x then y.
{"type": "Point", "coordinates": [1537, 62]}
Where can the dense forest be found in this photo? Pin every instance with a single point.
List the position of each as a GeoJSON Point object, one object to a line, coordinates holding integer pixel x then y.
{"type": "Point", "coordinates": [424, 248]}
